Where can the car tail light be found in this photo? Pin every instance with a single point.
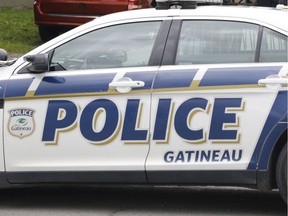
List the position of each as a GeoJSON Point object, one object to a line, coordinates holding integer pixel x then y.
{"type": "Point", "coordinates": [137, 4]}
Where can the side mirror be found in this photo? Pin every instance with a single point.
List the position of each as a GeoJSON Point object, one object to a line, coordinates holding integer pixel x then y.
{"type": "Point", "coordinates": [3, 55]}
{"type": "Point", "coordinates": [39, 63]}
{"type": "Point", "coordinates": [4, 59]}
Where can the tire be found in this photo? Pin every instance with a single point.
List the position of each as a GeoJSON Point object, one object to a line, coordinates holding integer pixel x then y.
{"type": "Point", "coordinates": [48, 32]}
{"type": "Point", "coordinates": [281, 173]}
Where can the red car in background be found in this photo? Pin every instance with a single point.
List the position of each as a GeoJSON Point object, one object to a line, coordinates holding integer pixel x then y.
{"type": "Point", "coordinates": [56, 16]}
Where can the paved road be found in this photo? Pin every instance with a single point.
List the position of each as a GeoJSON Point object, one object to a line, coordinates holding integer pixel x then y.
{"type": "Point", "coordinates": [138, 201]}
{"type": "Point", "coordinates": [17, 3]}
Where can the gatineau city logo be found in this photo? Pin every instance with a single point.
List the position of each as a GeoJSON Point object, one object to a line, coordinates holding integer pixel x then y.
{"type": "Point", "coordinates": [21, 122]}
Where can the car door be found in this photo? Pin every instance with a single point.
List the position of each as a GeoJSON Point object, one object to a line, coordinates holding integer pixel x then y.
{"type": "Point", "coordinates": [87, 118]}
{"type": "Point", "coordinates": [223, 89]}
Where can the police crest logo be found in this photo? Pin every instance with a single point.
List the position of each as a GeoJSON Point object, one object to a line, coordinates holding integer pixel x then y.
{"type": "Point", "coordinates": [21, 122]}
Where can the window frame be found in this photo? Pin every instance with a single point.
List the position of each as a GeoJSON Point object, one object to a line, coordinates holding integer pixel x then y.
{"type": "Point", "coordinates": [260, 42]}
{"type": "Point", "coordinates": [156, 53]}
{"type": "Point", "coordinates": [171, 48]}
{"type": "Point", "coordinates": [174, 34]}
{"type": "Point", "coordinates": [92, 33]}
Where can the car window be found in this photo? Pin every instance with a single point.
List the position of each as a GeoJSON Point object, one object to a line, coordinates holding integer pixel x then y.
{"type": "Point", "coordinates": [273, 47]}
{"type": "Point", "coordinates": [204, 42]}
{"type": "Point", "coordinates": [126, 45]}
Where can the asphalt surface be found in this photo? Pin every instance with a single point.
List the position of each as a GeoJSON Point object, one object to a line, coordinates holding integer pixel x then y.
{"type": "Point", "coordinates": [17, 3]}
{"type": "Point", "coordinates": [138, 201]}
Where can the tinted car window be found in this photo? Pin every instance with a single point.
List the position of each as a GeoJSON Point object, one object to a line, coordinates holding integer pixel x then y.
{"type": "Point", "coordinates": [204, 42]}
{"type": "Point", "coordinates": [127, 45]}
{"type": "Point", "coordinates": [273, 47]}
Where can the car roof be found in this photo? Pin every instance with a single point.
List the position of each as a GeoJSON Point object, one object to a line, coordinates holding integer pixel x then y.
{"type": "Point", "coordinates": [271, 16]}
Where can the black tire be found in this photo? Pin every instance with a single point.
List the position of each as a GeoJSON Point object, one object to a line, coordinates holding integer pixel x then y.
{"type": "Point", "coordinates": [281, 173]}
{"type": "Point", "coordinates": [48, 32]}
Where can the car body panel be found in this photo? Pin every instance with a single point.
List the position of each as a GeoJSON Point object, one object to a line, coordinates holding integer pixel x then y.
{"type": "Point", "coordinates": [69, 150]}
{"type": "Point", "coordinates": [206, 150]}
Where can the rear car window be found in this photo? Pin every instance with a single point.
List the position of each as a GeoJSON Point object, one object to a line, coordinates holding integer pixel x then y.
{"type": "Point", "coordinates": [204, 42]}
{"type": "Point", "coordinates": [273, 47]}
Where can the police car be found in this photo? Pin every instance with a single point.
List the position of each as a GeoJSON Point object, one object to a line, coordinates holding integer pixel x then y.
{"type": "Point", "coordinates": [180, 94]}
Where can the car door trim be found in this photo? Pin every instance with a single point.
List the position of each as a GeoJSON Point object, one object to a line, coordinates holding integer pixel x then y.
{"type": "Point", "coordinates": [160, 43]}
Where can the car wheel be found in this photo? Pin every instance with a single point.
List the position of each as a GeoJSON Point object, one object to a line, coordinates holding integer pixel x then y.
{"type": "Point", "coordinates": [48, 32]}
{"type": "Point", "coordinates": [281, 173]}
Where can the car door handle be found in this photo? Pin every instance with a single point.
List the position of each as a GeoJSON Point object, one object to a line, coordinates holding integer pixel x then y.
{"type": "Point", "coordinates": [273, 82]}
{"type": "Point", "coordinates": [125, 84]}
{"type": "Point", "coordinates": [131, 84]}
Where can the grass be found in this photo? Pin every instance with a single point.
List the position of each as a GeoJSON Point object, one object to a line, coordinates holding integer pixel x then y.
{"type": "Point", "coordinates": [18, 33]}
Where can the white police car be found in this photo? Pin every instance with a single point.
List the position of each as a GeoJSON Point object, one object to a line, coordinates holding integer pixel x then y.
{"type": "Point", "coordinates": [157, 96]}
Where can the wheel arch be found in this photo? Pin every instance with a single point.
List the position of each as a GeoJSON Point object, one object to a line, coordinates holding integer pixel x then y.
{"type": "Point", "coordinates": [274, 157]}
{"type": "Point", "coordinates": [266, 177]}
